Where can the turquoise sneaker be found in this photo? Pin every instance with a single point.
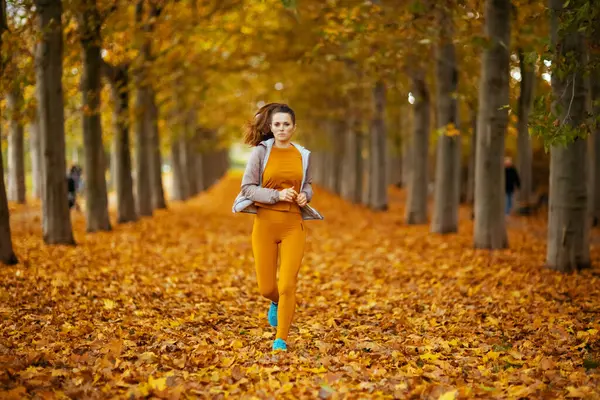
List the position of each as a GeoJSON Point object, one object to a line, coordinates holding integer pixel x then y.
{"type": "Point", "coordinates": [279, 344]}
{"type": "Point", "coordinates": [272, 315]}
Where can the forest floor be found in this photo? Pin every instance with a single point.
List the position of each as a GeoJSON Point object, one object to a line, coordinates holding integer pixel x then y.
{"type": "Point", "coordinates": [168, 307]}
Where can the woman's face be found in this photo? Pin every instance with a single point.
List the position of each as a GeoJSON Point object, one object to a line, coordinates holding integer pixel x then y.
{"type": "Point", "coordinates": [282, 127]}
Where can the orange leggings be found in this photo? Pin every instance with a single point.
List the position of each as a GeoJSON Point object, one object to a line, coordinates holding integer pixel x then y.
{"type": "Point", "coordinates": [286, 229]}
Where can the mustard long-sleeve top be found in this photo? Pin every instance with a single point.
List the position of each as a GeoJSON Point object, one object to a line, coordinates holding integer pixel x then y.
{"type": "Point", "coordinates": [283, 171]}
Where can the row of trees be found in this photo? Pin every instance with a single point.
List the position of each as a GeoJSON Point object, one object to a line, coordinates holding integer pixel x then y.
{"type": "Point", "coordinates": [197, 157]}
{"type": "Point", "coordinates": [199, 69]}
{"type": "Point", "coordinates": [525, 45]}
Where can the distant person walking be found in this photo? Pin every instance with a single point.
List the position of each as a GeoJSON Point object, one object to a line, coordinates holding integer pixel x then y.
{"type": "Point", "coordinates": [276, 186]}
{"type": "Point", "coordinates": [73, 181]}
{"type": "Point", "coordinates": [512, 183]}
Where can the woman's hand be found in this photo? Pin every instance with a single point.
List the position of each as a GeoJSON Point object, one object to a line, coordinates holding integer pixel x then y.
{"type": "Point", "coordinates": [301, 199]}
{"type": "Point", "coordinates": [288, 194]}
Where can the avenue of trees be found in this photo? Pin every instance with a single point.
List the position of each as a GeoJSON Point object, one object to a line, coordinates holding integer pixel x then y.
{"type": "Point", "coordinates": [428, 95]}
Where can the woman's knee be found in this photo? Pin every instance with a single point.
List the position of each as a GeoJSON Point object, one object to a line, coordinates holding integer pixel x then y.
{"type": "Point", "coordinates": [268, 291]}
{"type": "Point", "coordinates": [287, 288]}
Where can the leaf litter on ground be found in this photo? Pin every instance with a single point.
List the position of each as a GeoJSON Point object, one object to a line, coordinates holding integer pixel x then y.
{"type": "Point", "coordinates": [168, 307]}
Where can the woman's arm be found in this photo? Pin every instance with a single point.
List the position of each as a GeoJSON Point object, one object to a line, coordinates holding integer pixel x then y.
{"type": "Point", "coordinates": [251, 179]}
{"type": "Point", "coordinates": [307, 187]}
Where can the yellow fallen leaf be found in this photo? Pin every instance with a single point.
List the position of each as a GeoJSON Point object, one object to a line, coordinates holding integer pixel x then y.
{"type": "Point", "coordinates": [320, 370]}
{"type": "Point", "coordinates": [227, 361]}
{"type": "Point", "coordinates": [109, 304]}
{"type": "Point", "coordinates": [491, 355]}
{"type": "Point", "coordinates": [287, 387]}
{"type": "Point", "coordinates": [449, 395]}
{"type": "Point", "coordinates": [157, 384]}
{"type": "Point", "coordinates": [582, 392]}
{"type": "Point", "coordinates": [429, 356]}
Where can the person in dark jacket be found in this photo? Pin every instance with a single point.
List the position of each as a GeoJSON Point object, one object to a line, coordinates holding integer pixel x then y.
{"type": "Point", "coordinates": [73, 179]}
{"type": "Point", "coordinates": [512, 183]}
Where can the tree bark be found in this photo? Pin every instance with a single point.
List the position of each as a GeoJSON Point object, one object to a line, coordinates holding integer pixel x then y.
{"type": "Point", "coordinates": [49, 52]}
{"type": "Point", "coordinates": [35, 153]}
{"type": "Point", "coordinates": [406, 162]}
{"type": "Point", "coordinates": [378, 179]}
{"type": "Point", "coordinates": [179, 181]}
{"type": "Point", "coordinates": [189, 152]}
{"type": "Point", "coordinates": [156, 185]}
{"type": "Point", "coordinates": [150, 111]}
{"type": "Point", "coordinates": [7, 254]}
{"type": "Point", "coordinates": [365, 173]}
{"type": "Point", "coordinates": [351, 163]}
{"type": "Point", "coordinates": [595, 98]}
{"type": "Point", "coordinates": [416, 205]}
{"type": "Point", "coordinates": [568, 246]}
{"type": "Point", "coordinates": [335, 156]}
{"type": "Point", "coordinates": [490, 229]}
{"type": "Point", "coordinates": [143, 195]}
{"type": "Point", "coordinates": [97, 218]}
{"type": "Point", "coordinates": [470, 192]}
{"type": "Point", "coordinates": [197, 163]}
{"type": "Point", "coordinates": [394, 165]}
{"type": "Point", "coordinates": [394, 152]}
{"type": "Point", "coordinates": [207, 169]}
{"type": "Point", "coordinates": [16, 145]}
{"type": "Point", "coordinates": [524, 151]}
{"type": "Point", "coordinates": [142, 180]}
{"type": "Point", "coordinates": [119, 77]}
{"type": "Point", "coordinates": [447, 175]}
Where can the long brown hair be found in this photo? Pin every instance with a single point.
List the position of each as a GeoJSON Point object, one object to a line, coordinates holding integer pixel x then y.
{"type": "Point", "coordinates": [259, 128]}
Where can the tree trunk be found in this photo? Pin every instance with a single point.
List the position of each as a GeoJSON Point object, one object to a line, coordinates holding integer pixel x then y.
{"type": "Point", "coordinates": [49, 52]}
{"type": "Point", "coordinates": [470, 191]}
{"type": "Point", "coordinates": [416, 204]}
{"type": "Point", "coordinates": [406, 162]}
{"type": "Point", "coordinates": [447, 174]}
{"type": "Point", "coordinates": [16, 151]}
{"type": "Point", "coordinates": [394, 153]}
{"type": "Point", "coordinates": [186, 154]}
{"type": "Point", "coordinates": [188, 162]}
{"type": "Point", "coordinates": [179, 181]}
{"type": "Point", "coordinates": [96, 196]}
{"type": "Point", "coordinates": [207, 169]}
{"type": "Point", "coordinates": [568, 246]}
{"type": "Point", "coordinates": [378, 179]}
{"type": "Point", "coordinates": [393, 165]}
{"type": "Point", "coordinates": [490, 229]}
{"type": "Point", "coordinates": [151, 142]}
{"type": "Point", "coordinates": [34, 151]}
{"type": "Point", "coordinates": [525, 155]}
{"type": "Point", "coordinates": [189, 154]}
{"type": "Point", "coordinates": [197, 163]}
{"type": "Point", "coordinates": [366, 154]}
{"type": "Point", "coordinates": [143, 195]}
{"type": "Point", "coordinates": [335, 156]}
{"type": "Point", "coordinates": [156, 185]}
{"type": "Point", "coordinates": [7, 254]}
{"type": "Point", "coordinates": [142, 179]}
{"type": "Point", "coordinates": [351, 166]}
{"type": "Point", "coordinates": [595, 98]}
{"type": "Point", "coordinates": [119, 77]}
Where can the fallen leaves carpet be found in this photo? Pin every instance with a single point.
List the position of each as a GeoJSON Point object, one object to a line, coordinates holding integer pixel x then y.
{"type": "Point", "coordinates": [168, 307]}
